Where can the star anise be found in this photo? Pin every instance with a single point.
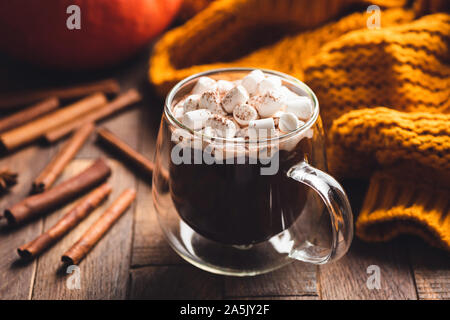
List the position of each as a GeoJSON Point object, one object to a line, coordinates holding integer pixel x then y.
{"type": "Point", "coordinates": [7, 179]}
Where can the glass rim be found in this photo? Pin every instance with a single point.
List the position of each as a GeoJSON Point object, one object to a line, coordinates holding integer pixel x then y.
{"type": "Point", "coordinates": [290, 79]}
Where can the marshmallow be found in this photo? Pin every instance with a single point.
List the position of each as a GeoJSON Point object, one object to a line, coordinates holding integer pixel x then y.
{"type": "Point", "coordinates": [278, 114]}
{"type": "Point", "coordinates": [180, 103]}
{"type": "Point", "coordinates": [228, 150]}
{"type": "Point", "coordinates": [181, 137]}
{"type": "Point", "coordinates": [261, 128]}
{"type": "Point", "coordinates": [290, 143]}
{"type": "Point", "coordinates": [191, 103]}
{"type": "Point", "coordinates": [251, 81]}
{"type": "Point", "coordinates": [237, 95]}
{"type": "Point", "coordinates": [204, 84]}
{"type": "Point", "coordinates": [288, 94]}
{"type": "Point", "coordinates": [271, 102]}
{"type": "Point", "coordinates": [271, 83]}
{"type": "Point", "coordinates": [276, 118]}
{"type": "Point", "coordinates": [209, 132]}
{"type": "Point", "coordinates": [261, 124]}
{"type": "Point", "coordinates": [178, 112]}
{"type": "Point", "coordinates": [289, 122]}
{"type": "Point", "coordinates": [210, 100]}
{"type": "Point", "coordinates": [300, 106]}
{"type": "Point", "coordinates": [244, 113]}
{"type": "Point", "coordinates": [196, 119]}
{"type": "Point", "coordinates": [242, 133]}
{"type": "Point", "coordinates": [255, 100]}
{"type": "Point", "coordinates": [222, 126]}
{"type": "Point", "coordinates": [223, 86]}
{"type": "Point", "coordinates": [263, 151]}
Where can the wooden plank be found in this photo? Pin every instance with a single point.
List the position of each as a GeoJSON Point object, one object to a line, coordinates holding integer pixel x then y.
{"type": "Point", "coordinates": [431, 269]}
{"type": "Point", "coordinates": [129, 122]}
{"type": "Point", "coordinates": [123, 125]}
{"type": "Point", "coordinates": [104, 272]}
{"type": "Point", "coordinates": [149, 245]}
{"type": "Point", "coordinates": [297, 279]}
{"type": "Point", "coordinates": [15, 277]}
{"type": "Point", "coordinates": [150, 118]}
{"type": "Point", "coordinates": [174, 282]}
{"type": "Point", "coordinates": [347, 278]}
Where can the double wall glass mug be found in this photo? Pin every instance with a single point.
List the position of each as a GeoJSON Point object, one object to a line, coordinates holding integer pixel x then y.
{"type": "Point", "coordinates": [245, 207]}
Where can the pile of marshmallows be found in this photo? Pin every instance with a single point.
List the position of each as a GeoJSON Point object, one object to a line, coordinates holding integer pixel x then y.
{"type": "Point", "coordinates": [256, 106]}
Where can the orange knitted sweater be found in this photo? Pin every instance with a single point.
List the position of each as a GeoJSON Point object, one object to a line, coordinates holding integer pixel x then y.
{"type": "Point", "coordinates": [384, 93]}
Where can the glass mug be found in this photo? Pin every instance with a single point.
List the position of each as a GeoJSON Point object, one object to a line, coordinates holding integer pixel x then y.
{"type": "Point", "coordinates": [245, 207]}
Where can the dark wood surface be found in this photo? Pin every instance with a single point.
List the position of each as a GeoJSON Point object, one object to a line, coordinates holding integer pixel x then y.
{"type": "Point", "coordinates": [133, 260]}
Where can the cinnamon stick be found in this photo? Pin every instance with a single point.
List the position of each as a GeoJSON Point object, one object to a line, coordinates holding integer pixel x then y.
{"type": "Point", "coordinates": [8, 178]}
{"type": "Point", "coordinates": [134, 157]}
{"type": "Point", "coordinates": [71, 219]}
{"type": "Point", "coordinates": [54, 169]}
{"type": "Point", "coordinates": [28, 114]}
{"type": "Point", "coordinates": [37, 128]}
{"type": "Point", "coordinates": [22, 98]}
{"type": "Point", "coordinates": [79, 250]}
{"type": "Point", "coordinates": [38, 204]}
{"type": "Point", "coordinates": [124, 100]}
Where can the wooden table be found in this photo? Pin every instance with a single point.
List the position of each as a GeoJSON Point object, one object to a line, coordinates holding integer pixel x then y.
{"type": "Point", "coordinates": [133, 260]}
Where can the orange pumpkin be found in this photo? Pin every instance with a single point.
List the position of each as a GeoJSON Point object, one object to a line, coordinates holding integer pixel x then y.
{"type": "Point", "coordinates": [111, 30]}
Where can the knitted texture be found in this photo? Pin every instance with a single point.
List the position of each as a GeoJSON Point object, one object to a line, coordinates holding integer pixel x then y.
{"type": "Point", "coordinates": [363, 140]}
{"type": "Point", "coordinates": [228, 29]}
{"type": "Point", "coordinates": [405, 67]}
{"type": "Point", "coordinates": [384, 93]}
{"type": "Point", "coordinates": [401, 201]}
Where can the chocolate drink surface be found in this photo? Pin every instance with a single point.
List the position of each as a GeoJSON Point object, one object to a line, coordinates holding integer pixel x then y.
{"type": "Point", "coordinates": [233, 203]}
{"type": "Point", "coordinates": [235, 199]}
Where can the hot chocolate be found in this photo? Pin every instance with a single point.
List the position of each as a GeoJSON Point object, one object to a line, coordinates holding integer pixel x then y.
{"type": "Point", "coordinates": [228, 172]}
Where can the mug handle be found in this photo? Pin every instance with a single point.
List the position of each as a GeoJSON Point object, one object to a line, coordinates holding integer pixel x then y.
{"type": "Point", "coordinates": [336, 201]}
